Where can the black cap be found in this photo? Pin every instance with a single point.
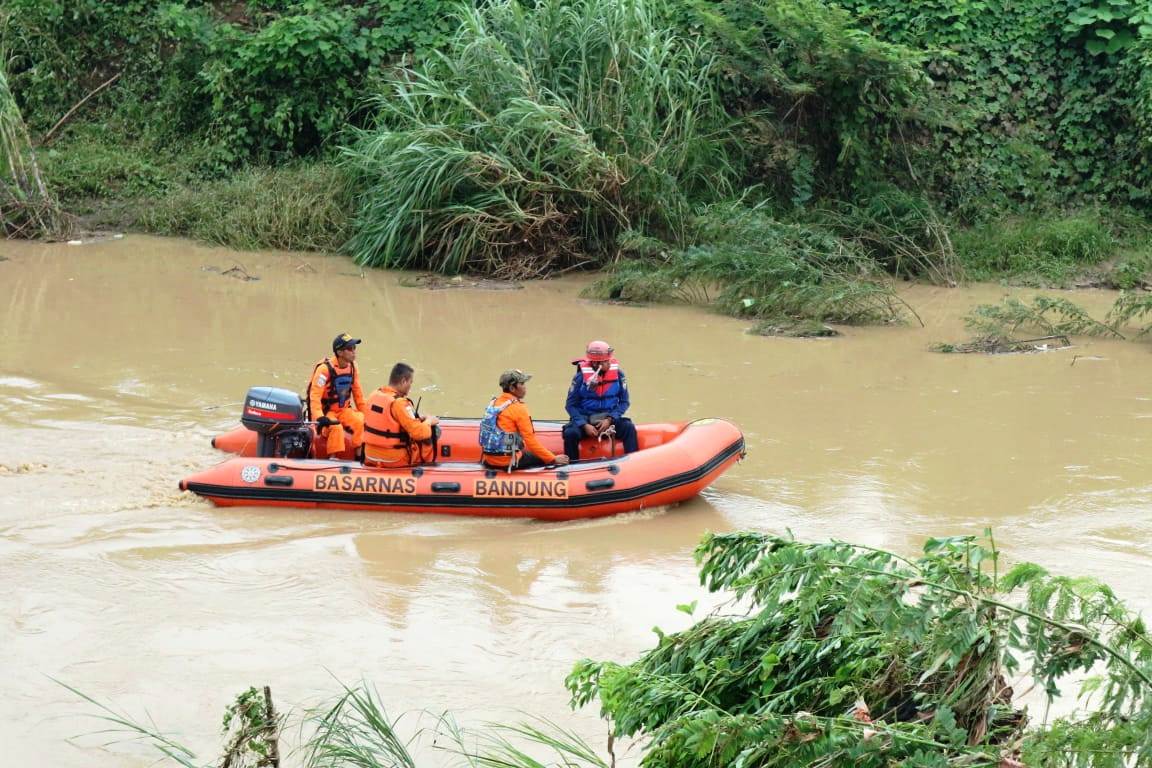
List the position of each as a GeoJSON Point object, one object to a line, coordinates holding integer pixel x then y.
{"type": "Point", "coordinates": [343, 340]}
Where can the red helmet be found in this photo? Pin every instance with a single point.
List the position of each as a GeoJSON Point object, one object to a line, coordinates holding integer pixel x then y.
{"type": "Point", "coordinates": [599, 350]}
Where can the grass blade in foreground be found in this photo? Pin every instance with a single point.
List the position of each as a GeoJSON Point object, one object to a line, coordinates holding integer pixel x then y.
{"type": "Point", "coordinates": [26, 208]}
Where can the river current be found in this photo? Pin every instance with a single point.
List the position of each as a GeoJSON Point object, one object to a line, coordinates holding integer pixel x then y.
{"type": "Point", "coordinates": [119, 360]}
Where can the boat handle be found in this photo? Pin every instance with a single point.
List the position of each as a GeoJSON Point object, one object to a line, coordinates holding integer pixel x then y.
{"type": "Point", "coordinates": [445, 487]}
{"type": "Point", "coordinates": [278, 480]}
{"type": "Point", "coordinates": [596, 485]}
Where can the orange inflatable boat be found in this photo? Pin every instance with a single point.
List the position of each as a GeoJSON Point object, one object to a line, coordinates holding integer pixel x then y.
{"type": "Point", "coordinates": [675, 461]}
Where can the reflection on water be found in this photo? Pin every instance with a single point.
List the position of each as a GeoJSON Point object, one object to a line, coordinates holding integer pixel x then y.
{"type": "Point", "coordinates": [119, 360]}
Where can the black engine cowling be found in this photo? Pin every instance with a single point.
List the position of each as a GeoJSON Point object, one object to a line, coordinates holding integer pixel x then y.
{"type": "Point", "coordinates": [277, 415]}
{"type": "Point", "coordinates": [268, 408]}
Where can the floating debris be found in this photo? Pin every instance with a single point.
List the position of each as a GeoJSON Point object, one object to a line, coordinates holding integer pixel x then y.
{"type": "Point", "coordinates": [801, 329]}
{"type": "Point", "coordinates": [434, 282]}
{"type": "Point", "coordinates": [91, 238]}
{"type": "Point", "coordinates": [236, 271]}
{"type": "Point", "coordinates": [239, 273]}
{"type": "Point", "coordinates": [1001, 345]}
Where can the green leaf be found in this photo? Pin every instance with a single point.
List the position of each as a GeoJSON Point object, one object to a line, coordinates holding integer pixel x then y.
{"type": "Point", "coordinates": [938, 662]}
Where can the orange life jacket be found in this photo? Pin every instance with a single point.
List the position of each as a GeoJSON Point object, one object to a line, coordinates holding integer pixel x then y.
{"type": "Point", "coordinates": [381, 428]}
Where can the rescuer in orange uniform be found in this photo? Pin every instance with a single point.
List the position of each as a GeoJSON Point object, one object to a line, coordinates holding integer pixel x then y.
{"type": "Point", "coordinates": [335, 398]}
{"type": "Point", "coordinates": [394, 436]}
{"type": "Point", "coordinates": [506, 433]}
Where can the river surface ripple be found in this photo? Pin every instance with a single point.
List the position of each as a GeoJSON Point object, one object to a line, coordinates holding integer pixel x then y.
{"type": "Point", "coordinates": [119, 360]}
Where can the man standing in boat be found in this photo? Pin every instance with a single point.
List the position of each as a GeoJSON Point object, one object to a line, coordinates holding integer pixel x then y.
{"type": "Point", "coordinates": [394, 436]}
{"type": "Point", "coordinates": [335, 398]}
{"type": "Point", "coordinates": [597, 400]}
{"type": "Point", "coordinates": [507, 437]}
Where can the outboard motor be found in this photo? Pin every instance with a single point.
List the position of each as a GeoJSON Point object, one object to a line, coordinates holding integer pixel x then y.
{"type": "Point", "coordinates": [277, 415]}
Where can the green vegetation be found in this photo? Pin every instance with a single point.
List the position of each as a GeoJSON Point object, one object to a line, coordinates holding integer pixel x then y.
{"type": "Point", "coordinates": [291, 207]}
{"type": "Point", "coordinates": [995, 325]}
{"type": "Point", "coordinates": [748, 264]}
{"type": "Point", "coordinates": [535, 138]}
{"type": "Point", "coordinates": [824, 655]}
{"type": "Point", "coordinates": [900, 231]}
{"type": "Point", "coordinates": [869, 138]}
{"type": "Point", "coordinates": [1051, 250]}
{"type": "Point", "coordinates": [200, 91]}
{"type": "Point", "coordinates": [1045, 103]}
{"type": "Point", "coordinates": [1053, 316]}
{"type": "Point", "coordinates": [261, 80]}
{"type": "Point", "coordinates": [848, 655]}
{"type": "Point", "coordinates": [826, 109]}
{"type": "Point", "coordinates": [27, 209]}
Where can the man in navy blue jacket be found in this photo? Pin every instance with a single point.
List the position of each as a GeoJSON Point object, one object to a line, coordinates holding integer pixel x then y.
{"type": "Point", "coordinates": [597, 401]}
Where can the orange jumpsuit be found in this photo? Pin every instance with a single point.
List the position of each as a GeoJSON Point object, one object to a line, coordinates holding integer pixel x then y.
{"type": "Point", "coordinates": [324, 400]}
{"type": "Point", "coordinates": [515, 418]}
{"type": "Point", "coordinates": [388, 415]}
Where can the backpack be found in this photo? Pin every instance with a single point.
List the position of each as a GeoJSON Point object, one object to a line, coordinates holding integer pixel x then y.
{"type": "Point", "coordinates": [493, 440]}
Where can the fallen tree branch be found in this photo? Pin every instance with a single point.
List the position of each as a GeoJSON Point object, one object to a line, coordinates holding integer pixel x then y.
{"type": "Point", "coordinates": [67, 115]}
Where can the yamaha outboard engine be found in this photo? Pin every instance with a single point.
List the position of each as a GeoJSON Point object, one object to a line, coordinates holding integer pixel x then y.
{"type": "Point", "coordinates": [277, 415]}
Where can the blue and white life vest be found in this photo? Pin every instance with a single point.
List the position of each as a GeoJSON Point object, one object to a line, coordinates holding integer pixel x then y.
{"type": "Point", "coordinates": [494, 441]}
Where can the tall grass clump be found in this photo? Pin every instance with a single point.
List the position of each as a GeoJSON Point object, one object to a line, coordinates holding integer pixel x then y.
{"type": "Point", "coordinates": [746, 263]}
{"type": "Point", "coordinates": [1048, 251]}
{"type": "Point", "coordinates": [900, 230]}
{"type": "Point", "coordinates": [537, 135]}
{"type": "Point", "coordinates": [26, 207]}
{"type": "Point", "coordinates": [300, 207]}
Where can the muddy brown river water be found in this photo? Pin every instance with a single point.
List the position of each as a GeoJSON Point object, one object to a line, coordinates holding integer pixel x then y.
{"type": "Point", "coordinates": [119, 360]}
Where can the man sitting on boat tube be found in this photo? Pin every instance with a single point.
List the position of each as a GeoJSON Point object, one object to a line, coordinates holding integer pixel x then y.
{"type": "Point", "coordinates": [597, 400]}
{"type": "Point", "coordinates": [394, 436]}
{"type": "Point", "coordinates": [507, 438]}
{"type": "Point", "coordinates": [335, 398]}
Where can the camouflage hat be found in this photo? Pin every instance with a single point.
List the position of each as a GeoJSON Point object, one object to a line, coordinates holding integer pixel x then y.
{"type": "Point", "coordinates": [512, 377]}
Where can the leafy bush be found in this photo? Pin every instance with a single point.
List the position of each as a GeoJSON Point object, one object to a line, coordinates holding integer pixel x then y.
{"type": "Point", "coordinates": [1050, 316]}
{"type": "Point", "coordinates": [289, 85]}
{"type": "Point", "coordinates": [1060, 317]}
{"type": "Point", "coordinates": [848, 655]}
{"type": "Point", "coordinates": [826, 105]}
{"type": "Point", "coordinates": [270, 81]}
{"type": "Point", "coordinates": [747, 263]}
{"type": "Point", "coordinates": [62, 50]}
{"type": "Point", "coordinates": [1052, 250]}
{"type": "Point", "coordinates": [1109, 26]}
{"type": "Point", "coordinates": [1036, 114]}
{"type": "Point", "coordinates": [538, 135]}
